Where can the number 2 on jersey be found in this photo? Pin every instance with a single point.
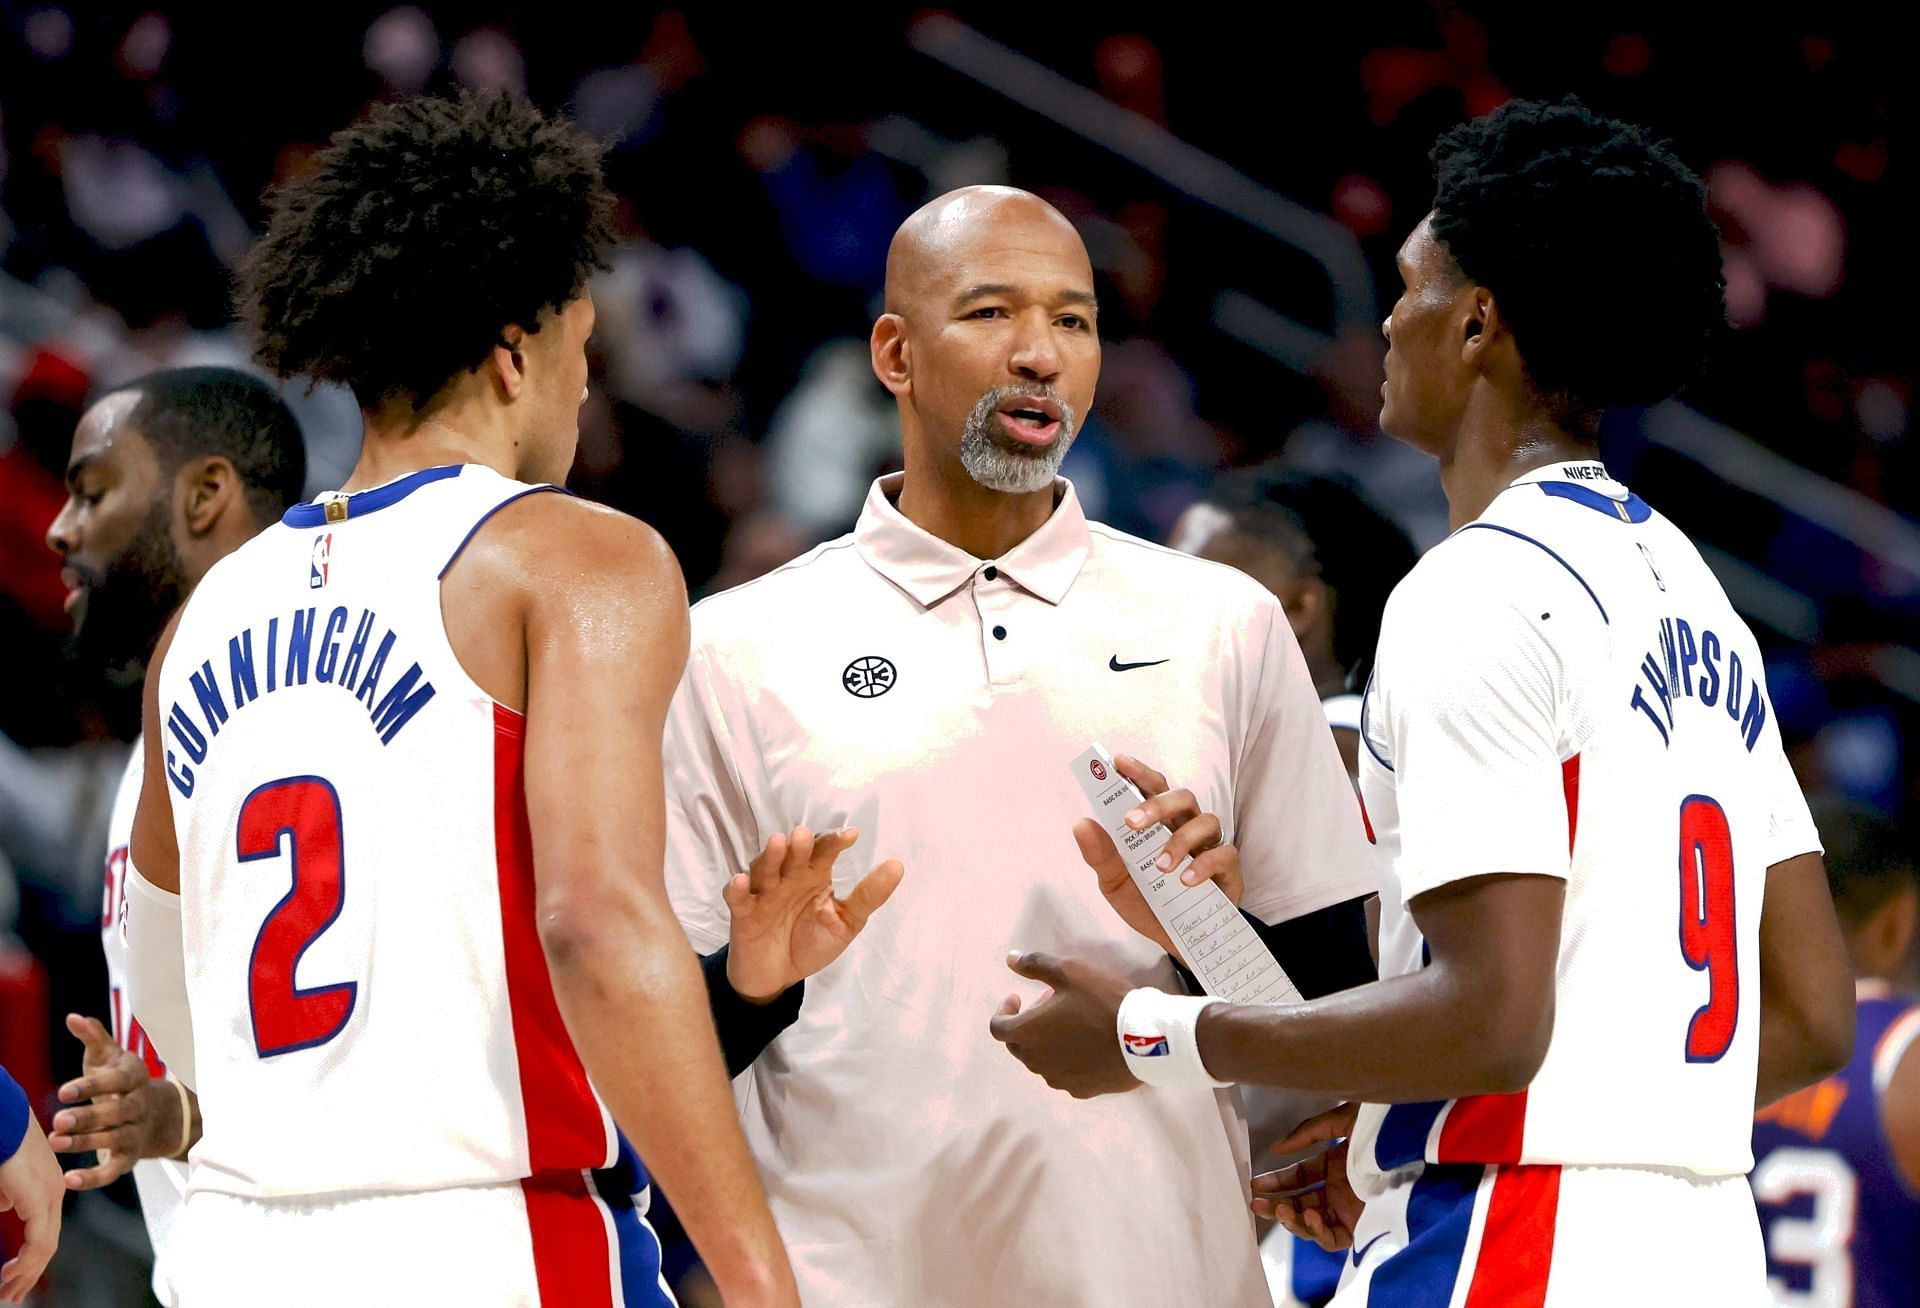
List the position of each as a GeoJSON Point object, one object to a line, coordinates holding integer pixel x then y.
{"type": "Point", "coordinates": [1708, 940]}
{"type": "Point", "coordinates": [305, 810]}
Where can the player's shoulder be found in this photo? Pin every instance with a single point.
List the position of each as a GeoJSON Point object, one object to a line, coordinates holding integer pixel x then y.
{"type": "Point", "coordinates": [233, 578]}
{"type": "Point", "coordinates": [1175, 578]}
{"type": "Point", "coordinates": [551, 560]}
{"type": "Point", "coordinates": [1523, 550]}
{"type": "Point", "coordinates": [536, 537]}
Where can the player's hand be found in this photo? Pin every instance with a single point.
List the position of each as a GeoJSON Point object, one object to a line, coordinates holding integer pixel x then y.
{"type": "Point", "coordinates": [1068, 1038]}
{"type": "Point", "coordinates": [30, 1186]}
{"type": "Point", "coordinates": [119, 1111]}
{"type": "Point", "coordinates": [1194, 832]}
{"type": "Point", "coordinates": [787, 924]}
{"type": "Point", "coordinates": [1313, 1198]}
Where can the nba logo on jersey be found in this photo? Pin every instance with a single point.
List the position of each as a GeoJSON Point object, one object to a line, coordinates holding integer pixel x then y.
{"type": "Point", "coordinates": [322, 554]}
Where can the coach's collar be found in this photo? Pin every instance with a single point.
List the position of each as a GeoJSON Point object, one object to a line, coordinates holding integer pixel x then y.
{"type": "Point", "coordinates": [930, 569]}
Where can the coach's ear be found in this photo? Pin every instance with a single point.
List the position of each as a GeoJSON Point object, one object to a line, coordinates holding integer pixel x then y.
{"type": "Point", "coordinates": [203, 491]}
{"type": "Point", "coordinates": [888, 347]}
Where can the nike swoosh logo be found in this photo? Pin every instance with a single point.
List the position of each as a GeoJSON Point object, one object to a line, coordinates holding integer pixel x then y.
{"type": "Point", "coordinates": [1360, 1253]}
{"type": "Point", "coordinates": [1113, 661]}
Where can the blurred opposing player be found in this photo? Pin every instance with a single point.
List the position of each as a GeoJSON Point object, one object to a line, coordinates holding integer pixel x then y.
{"type": "Point", "coordinates": [1603, 920]}
{"type": "Point", "coordinates": [1836, 1167]}
{"type": "Point", "coordinates": [403, 768]}
{"type": "Point", "coordinates": [167, 475]}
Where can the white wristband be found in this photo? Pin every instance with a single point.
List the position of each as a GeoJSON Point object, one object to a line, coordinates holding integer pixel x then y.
{"type": "Point", "coordinates": [1158, 1039]}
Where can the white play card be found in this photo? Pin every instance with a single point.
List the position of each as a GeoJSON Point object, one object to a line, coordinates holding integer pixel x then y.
{"type": "Point", "coordinates": [1217, 943]}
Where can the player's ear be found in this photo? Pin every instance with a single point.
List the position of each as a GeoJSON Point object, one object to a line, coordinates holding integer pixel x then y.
{"type": "Point", "coordinates": [1308, 607]}
{"type": "Point", "coordinates": [1479, 324]}
{"type": "Point", "coordinates": [892, 361]}
{"type": "Point", "coordinates": [507, 361]}
{"type": "Point", "coordinates": [204, 488]}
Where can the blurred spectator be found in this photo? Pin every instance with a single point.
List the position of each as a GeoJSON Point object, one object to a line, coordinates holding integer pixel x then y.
{"type": "Point", "coordinates": [1778, 238]}
{"type": "Point", "coordinates": [756, 544]}
{"type": "Point", "coordinates": [838, 204]}
{"type": "Point", "coordinates": [666, 319]}
{"type": "Point", "coordinates": [1348, 441]}
{"type": "Point", "coordinates": [1144, 453]}
{"type": "Point", "coordinates": [489, 60]}
{"type": "Point", "coordinates": [402, 47]}
{"type": "Point", "coordinates": [830, 438]}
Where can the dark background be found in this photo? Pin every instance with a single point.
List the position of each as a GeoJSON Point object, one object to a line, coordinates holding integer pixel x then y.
{"type": "Point", "coordinates": [763, 160]}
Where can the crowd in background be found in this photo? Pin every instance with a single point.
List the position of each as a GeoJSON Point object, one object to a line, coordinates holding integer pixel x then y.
{"type": "Point", "coordinates": [762, 165]}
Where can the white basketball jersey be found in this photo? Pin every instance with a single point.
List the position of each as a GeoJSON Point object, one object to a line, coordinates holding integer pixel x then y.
{"type": "Point", "coordinates": [1563, 688]}
{"type": "Point", "coordinates": [371, 1004]}
{"type": "Point", "coordinates": [162, 1182]}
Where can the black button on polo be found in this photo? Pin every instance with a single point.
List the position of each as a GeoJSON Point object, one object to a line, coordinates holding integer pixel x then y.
{"type": "Point", "coordinates": [999, 633]}
{"type": "Point", "coordinates": [991, 572]}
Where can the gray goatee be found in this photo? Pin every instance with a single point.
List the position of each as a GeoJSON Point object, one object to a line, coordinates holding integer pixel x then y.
{"type": "Point", "coordinates": [1000, 463]}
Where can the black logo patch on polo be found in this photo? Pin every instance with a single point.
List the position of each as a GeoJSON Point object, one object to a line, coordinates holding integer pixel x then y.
{"type": "Point", "coordinates": [869, 676]}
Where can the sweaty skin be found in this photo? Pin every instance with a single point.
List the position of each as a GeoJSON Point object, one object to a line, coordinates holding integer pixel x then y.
{"type": "Point", "coordinates": [576, 614]}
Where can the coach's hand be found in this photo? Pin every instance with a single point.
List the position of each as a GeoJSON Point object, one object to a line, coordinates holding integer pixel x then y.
{"type": "Point", "coordinates": [1068, 1038]}
{"type": "Point", "coordinates": [787, 924]}
{"type": "Point", "coordinates": [1313, 1198]}
{"type": "Point", "coordinates": [119, 1111]}
{"type": "Point", "coordinates": [1194, 832]}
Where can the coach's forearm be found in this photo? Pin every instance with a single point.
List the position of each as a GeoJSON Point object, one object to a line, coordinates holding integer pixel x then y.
{"type": "Point", "coordinates": [630, 989]}
{"type": "Point", "coordinates": [745, 1026]}
{"type": "Point", "coordinates": [1410, 1039]}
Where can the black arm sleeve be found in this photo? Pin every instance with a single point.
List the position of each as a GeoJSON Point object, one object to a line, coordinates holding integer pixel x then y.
{"type": "Point", "coordinates": [1323, 952]}
{"type": "Point", "coordinates": [745, 1028]}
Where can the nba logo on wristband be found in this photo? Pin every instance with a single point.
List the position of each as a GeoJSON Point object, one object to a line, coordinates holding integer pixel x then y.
{"type": "Point", "coordinates": [1145, 1046]}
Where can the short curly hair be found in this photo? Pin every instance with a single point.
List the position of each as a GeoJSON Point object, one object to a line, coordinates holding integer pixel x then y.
{"type": "Point", "coordinates": [188, 413]}
{"type": "Point", "coordinates": [1559, 211]}
{"type": "Point", "coordinates": [428, 227]}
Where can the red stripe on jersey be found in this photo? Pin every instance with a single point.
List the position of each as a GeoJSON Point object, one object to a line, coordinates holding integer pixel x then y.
{"type": "Point", "coordinates": [572, 1260]}
{"type": "Point", "coordinates": [565, 1131]}
{"type": "Point", "coordinates": [1570, 781]}
{"type": "Point", "coordinates": [138, 1043]}
{"type": "Point", "coordinates": [1492, 1128]}
{"type": "Point", "coordinates": [1483, 1129]}
{"type": "Point", "coordinates": [1516, 1243]}
{"type": "Point", "coordinates": [1366, 819]}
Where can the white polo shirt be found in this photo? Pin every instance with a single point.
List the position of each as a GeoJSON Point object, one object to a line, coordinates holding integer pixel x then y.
{"type": "Point", "coordinates": [891, 681]}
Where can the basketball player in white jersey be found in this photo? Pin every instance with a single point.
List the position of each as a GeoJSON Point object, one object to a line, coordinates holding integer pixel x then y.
{"type": "Point", "coordinates": [167, 475]}
{"type": "Point", "coordinates": [1605, 926]}
{"type": "Point", "coordinates": [403, 770]}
